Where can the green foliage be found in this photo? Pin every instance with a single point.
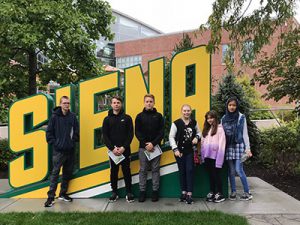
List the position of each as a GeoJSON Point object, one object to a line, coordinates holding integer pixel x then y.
{"type": "Point", "coordinates": [281, 71]}
{"type": "Point", "coordinates": [253, 30]}
{"type": "Point", "coordinates": [254, 98]}
{"type": "Point", "coordinates": [280, 148]}
{"type": "Point", "coordinates": [121, 218]}
{"type": "Point", "coordinates": [5, 154]}
{"type": "Point", "coordinates": [229, 87]}
{"type": "Point", "coordinates": [63, 31]}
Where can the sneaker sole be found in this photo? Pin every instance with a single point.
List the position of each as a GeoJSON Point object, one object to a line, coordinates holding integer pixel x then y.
{"type": "Point", "coordinates": [218, 201]}
{"type": "Point", "coordinates": [63, 199]}
{"type": "Point", "coordinates": [246, 199]}
{"type": "Point", "coordinates": [48, 206]}
{"type": "Point", "coordinates": [232, 199]}
{"type": "Point", "coordinates": [114, 200]}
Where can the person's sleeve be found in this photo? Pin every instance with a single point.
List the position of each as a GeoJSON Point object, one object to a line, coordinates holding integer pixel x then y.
{"type": "Point", "coordinates": [138, 131]}
{"type": "Point", "coordinates": [105, 132]}
{"type": "Point", "coordinates": [246, 136]}
{"type": "Point", "coordinates": [198, 132]}
{"type": "Point", "coordinates": [50, 133]}
{"type": "Point", "coordinates": [130, 133]}
{"type": "Point", "coordinates": [76, 130]}
{"type": "Point", "coordinates": [159, 137]}
{"type": "Point", "coordinates": [172, 136]}
{"type": "Point", "coordinates": [221, 149]}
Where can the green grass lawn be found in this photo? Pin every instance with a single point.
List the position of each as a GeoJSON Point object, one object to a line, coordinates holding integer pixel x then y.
{"type": "Point", "coordinates": [122, 218]}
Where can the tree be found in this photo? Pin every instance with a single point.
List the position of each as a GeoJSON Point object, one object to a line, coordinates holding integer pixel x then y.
{"type": "Point", "coordinates": [257, 28]}
{"type": "Point", "coordinates": [61, 31]}
{"type": "Point", "coordinates": [229, 87]}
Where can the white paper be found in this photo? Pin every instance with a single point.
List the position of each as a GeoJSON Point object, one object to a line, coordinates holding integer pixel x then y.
{"type": "Point", "coordinates": [116, 158]}
{"type": "Point", "coordinates": [151, 155]}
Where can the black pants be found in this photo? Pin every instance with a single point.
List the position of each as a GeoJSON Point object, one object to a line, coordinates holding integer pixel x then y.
{"type": "Point", "coordinates": [114, 171]}
{"type": "Point", "coordinates": [215, 179]}
{"type": "Point", "coordinates": [186, 172]}
{"type": "Point", "coordinates": [65, 160]}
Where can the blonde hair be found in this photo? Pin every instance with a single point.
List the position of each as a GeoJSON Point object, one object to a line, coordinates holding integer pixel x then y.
{"type": "Point", "coordinates": [186, 105]}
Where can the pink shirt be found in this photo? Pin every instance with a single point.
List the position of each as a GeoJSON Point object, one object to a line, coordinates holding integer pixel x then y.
{"type": "Point", "coordinates": [213, 147]}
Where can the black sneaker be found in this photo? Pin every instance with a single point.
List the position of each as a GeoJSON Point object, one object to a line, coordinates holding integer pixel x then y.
{"type": "Point", "coordinates": [219, 198]}
{"type": "Point", "coordinates": [155, 197]}
{"type": "Point", "coordinates": [232, 196]}
{"type": "Point", "coordinates": [142, 197]}
{"type": "Point", "coordinates": [189, 199]}
{"type": "Point", "coordinates": [50, 202]}
{"type": "Point", "coordinates": [113, 197]}
{"type": "Point", "coordinates": [210, 197]}
{"type": "Point", "coordinates": [129, 198]}
{"type": "Point", "coordinates": [182, 198]}
{"type": "Point", "coordinates": [65, 198]}
{"type": "Point", "coordinates": [246, 197]}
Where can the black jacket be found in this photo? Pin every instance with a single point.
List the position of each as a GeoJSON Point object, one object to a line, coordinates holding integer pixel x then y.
{"type": "Point", "coordinates": [149, 127]}
{"type": "Point", "coordinates": [62, 131]}
{"type": "Point", "coordinates": [117, 130]}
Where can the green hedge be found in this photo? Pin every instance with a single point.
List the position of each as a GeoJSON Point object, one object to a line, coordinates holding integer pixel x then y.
{"type": "Point", "coordinates": [5, 154]}
{"type": "Point", "coordinates": [280, 148]}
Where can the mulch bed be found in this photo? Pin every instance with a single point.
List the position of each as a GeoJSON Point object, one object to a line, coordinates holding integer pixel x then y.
{"type": "Point", "coordinates": [287, 183]}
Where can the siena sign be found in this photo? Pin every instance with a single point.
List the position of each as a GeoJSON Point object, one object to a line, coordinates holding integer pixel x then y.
{"type": "Point", "coordinates": [27, 138]}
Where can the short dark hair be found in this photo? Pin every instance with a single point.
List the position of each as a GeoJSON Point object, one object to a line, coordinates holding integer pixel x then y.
{"type": "Point", "coordinates": [118, 98]}
{"type": "Point", "coordinates": [64, 97]}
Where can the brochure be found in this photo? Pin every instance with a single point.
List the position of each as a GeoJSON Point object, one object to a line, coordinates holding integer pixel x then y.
{"type": "Point", "coordinates": [151, 155]}
{"type": "Point", "coordinates": [116, 158]}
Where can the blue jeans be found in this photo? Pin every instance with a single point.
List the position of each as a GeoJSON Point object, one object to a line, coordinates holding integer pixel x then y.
{"type": "Point", "coordinates": [186, 172]}
{"type": "Point", "coordinates": [236, 166]}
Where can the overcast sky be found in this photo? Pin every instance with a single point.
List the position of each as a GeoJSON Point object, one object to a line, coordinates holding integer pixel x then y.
{"type": "Point", "coordinates": [171, 15]}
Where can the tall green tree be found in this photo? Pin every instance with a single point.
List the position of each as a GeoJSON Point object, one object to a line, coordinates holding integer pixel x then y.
{"type": "Point", "coordinates": [280, 72]}
{"type": "Point", "coordinates": [61, 30]}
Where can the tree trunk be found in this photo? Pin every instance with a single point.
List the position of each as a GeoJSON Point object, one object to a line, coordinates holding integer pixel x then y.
{"type": "Point", "coordinates": [32, 61]}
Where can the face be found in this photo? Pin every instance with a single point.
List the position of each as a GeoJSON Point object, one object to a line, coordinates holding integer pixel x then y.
{"type": "Point", "coordinates": [65, 104]}
{"type": "Point", "coordinates": [232, 106]}
{"type": "Point", "coordinates": [116, 105]}
{"type": "Point", "coordinates": [186, 112]}
{"type": "Point", "coordinates": [210, 120]}
{"type": "Point", "coordinates": [149, 103]}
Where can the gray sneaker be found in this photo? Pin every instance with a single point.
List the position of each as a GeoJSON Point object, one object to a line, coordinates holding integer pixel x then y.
{"type": "Point", "coordinates": [232, 196]}
{"type": "Point", "coordinates": [246, 197]}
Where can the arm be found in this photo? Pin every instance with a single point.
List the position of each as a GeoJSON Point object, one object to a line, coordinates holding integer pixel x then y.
{"type": "Point", "coordinates": [50, 133]}
{"type": "Point", "coordinates": [138, 131]}
{"type": "Point", "coordinates": [172, 135]}
{"type": "Point", "coordinates": [159, 137]}
{"type": "Point", "coordinates": [246, 136]}
{"type": "Point", "coordinates": [76, 130]}
{"type": "Point", "coordinates": [130, 132]}
{"type": "Point", "coordinates": [105, 131]}
{"type": "Point", "coordinates": [221, 149]}
{"type": "Point", "coordinates": [198, 135]}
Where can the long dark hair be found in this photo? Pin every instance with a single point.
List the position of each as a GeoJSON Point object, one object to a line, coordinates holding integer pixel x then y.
{"type": "Point", "coordinates": [207, 126]}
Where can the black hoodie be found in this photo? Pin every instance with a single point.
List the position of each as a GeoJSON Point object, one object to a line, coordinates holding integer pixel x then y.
{"type": "Point", "coordinates": [117, 130]}
{"type": "Point", "coordinates": [149, 127]}
{"type": "Point", "coordinates": [62, 131]}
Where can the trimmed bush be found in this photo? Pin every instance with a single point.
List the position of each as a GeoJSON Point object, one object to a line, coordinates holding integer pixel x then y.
{"type": "Point", "coordinates": [280, 149]}
{"type": "Point", "coordinates": [5, 154]}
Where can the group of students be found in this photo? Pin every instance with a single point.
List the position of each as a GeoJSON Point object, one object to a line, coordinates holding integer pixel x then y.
{"type": "Point", "coordinates": [228, 140]}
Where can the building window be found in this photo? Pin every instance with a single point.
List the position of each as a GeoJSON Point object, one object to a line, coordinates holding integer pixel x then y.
{"type": "Point", "coordinates": [227, 53]}
{"type": "Point", "coordinates": [247, 51]}
{"type": "Point", "coordinates": [124, 62]}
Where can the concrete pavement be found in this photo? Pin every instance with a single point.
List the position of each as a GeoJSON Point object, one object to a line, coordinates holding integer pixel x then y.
{"type": "Point", "coordinates": [268, 206]}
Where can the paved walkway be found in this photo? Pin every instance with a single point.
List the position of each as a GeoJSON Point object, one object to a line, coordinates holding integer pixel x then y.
{"type": "Point", "coordinates": [269, 205]}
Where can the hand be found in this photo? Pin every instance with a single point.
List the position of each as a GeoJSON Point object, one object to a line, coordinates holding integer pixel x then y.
{"type": "Point", "coordinates": [121, 150]}
{"type": "Point", "coordinates": [195, 141]}
{"type": "Point", "coordinates": [248, 152]}
{"type": "Point", "coordinates": [149, 147]}
{"type": "Point", "coordinates": [178, 154]}
{"type": "Point", "coordinates": [116, 151]}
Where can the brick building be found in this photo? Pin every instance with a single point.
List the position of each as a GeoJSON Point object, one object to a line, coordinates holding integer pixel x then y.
{"type": "Point", "coordinates": [150, 48]}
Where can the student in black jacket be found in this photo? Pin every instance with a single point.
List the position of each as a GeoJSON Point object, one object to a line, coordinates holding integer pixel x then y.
{"type": "Point", "coordinates": [117, 130]}
{"type": "Point", "coordinates": [149, 130]}
{"type": "Point", "coordinates": [62, 133]}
